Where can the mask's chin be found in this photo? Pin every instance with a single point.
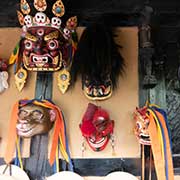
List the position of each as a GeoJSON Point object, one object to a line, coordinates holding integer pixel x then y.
{"type": "Point", "coordinates": [97, 145]}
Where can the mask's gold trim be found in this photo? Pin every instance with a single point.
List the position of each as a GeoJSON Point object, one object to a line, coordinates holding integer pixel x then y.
{"type": "Point", "coordinates": [30, 37]}
{"type": "Point", "coordinates": [52, 35]}
{"type": "Point", "coordinates": [63, 80]}
{"type": "Point", "coordinates": [20, 78]}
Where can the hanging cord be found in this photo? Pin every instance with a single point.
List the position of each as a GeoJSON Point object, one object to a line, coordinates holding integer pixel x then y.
{"type": "Point", "coordinates": [67, 147]}
{"type": "Point", "coordinates": [112, 139]}
{"type": "Point", "coordinates": [18, 149]}
{"type": "Point", "coordinates": [57, 159]}
{"type": "Point", "coordinates": [150, 164]}
{"type": "Point", "coordinates": [16, 161]}
{"type": "Point", "coordinates": [10, 169]}
{"type": "Point", "coordinates": [56, 168]}
{"type": "Point", "coordinates": [142, 162]}
{"type": "Point", "coordinates": [83, 146]}
{"type": "Point", "coordinates": [64, 151]}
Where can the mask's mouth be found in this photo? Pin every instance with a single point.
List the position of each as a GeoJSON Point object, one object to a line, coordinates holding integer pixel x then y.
{"type": "Point", "coordinates": [40, 61]}
{"type": "Point", "coordinates": [25, 129]}
{"type": "Point", "coordinates": [97, 92]}
{"type": "Point", "coordinates": [43, 62]}
{"type": "Point", "coordinates": [98, 145]}
{"type": "Point", "coordinates": [144, 139]}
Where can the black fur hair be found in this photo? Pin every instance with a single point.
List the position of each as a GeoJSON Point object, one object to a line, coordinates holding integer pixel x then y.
{"type": "Point", "coordinates": [97, 55]}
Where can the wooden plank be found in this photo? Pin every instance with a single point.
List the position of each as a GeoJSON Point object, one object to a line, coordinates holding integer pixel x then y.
{"type": "Point", "coordinates": [44, 85]}
{"type": "Point", "coordinates": [101, 167]}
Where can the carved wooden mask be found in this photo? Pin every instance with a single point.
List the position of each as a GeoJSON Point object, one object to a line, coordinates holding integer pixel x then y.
{"type": "Point", "coordinates": [34, 119]}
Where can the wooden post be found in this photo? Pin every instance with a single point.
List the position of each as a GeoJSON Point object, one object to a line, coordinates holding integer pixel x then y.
{"type": "Point", "coordinates": [37, 166]}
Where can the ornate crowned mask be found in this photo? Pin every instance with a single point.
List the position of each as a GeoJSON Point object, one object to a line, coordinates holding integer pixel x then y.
{"type": "Point", "coordinates": [3, 75]}
{"type": "Point", "coordinates": [141, 127]}
{"type": "Point", "coordinates": [46, 44]}
{"type": "Point", "coordinates": [96, 127]}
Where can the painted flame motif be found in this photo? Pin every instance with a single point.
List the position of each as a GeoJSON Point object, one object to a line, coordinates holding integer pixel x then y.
{"type": "Point", "coordinates": [40, 5]}
{"type": "Point", "coordinates": [58, 8]}
{"type": "Point", "coordinates": [25, 8]}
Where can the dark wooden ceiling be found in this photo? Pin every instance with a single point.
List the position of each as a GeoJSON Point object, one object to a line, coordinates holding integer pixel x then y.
{"type": "Point", "coordinates": [117, 12]}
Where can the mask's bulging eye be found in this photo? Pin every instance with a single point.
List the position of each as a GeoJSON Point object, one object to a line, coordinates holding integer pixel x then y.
{"type": "Point", "coordinates": [138, 125]}
{"type": "Point", "coordinates": [22, 114]}
{"type": "Point", "coordinates": [52, 44]}
{"type": "Point", "coordinates": [28, 44]}
{"type": "Point", "coordinates": [66, 31]}
{"type": "Point", "coordinates": [36, 114]}
{"type": "Point", "coordinates": [40, 32]}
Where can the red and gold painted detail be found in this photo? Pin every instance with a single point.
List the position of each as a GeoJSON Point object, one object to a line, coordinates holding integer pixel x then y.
{"type": "Point", "coordinates": [43, 49]}
{"type": "Point", "coordinates": [96, 127]}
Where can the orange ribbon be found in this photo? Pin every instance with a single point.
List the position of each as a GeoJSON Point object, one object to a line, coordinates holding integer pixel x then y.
{"type": "Point", "coordinates": [59, 129]}
{"type": "Point", "coordinates": [156, 149]}
{"type": "Point", "coordinates": [12, 135]}
{"type": "Point", "coordinates": [157, 146]}
{"type": "Point", "coordinates": [168, 148]}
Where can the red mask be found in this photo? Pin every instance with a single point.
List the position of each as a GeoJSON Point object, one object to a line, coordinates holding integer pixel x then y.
{"type": "Point", "coordinates": [44, 48]}
{"type": "Point", "coordinates": [96, 127]}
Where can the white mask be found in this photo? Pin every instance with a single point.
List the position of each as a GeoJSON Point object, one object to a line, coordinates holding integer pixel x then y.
{"type": "Point", "coordinates": [120, 175]}
{"type": "Point", "coordinates": [3, 81]}
{"type": "Point", "coordinates": [68, 175]}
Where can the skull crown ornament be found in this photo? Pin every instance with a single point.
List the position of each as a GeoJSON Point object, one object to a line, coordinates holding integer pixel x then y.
{"type": "Point", "coordinates": [46, 44]}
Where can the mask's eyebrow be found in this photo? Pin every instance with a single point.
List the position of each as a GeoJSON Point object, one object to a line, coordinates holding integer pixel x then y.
{"type": "Point", "coordinates": [52, 35]}
{"type": "Point", "coordinates": [30, 37]}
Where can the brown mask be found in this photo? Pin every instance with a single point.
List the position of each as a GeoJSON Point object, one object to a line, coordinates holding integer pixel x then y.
{"type": "Point", "coordinates": [33, 120]}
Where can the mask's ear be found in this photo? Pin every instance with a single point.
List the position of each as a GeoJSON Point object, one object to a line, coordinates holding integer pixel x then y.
{"type": "Point", "coordinates": [52, 114]}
